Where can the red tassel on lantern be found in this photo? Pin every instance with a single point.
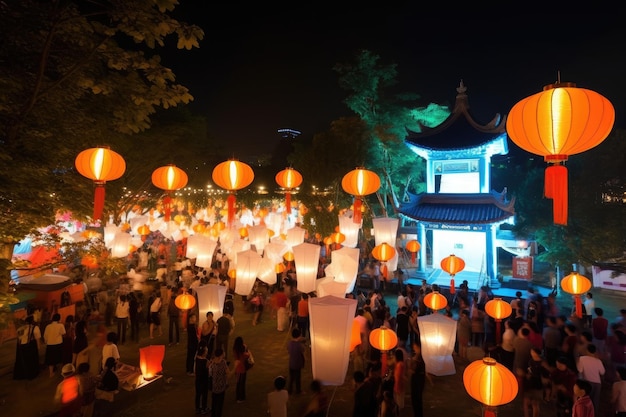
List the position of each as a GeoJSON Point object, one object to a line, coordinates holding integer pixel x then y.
{"type": "Point", "coordinates": [356, 218]}
{"type": "Point", "coordinates": [231, 209]}
{"type": "Point", "coordinates": [384, 271]}
{"type": "Point", "coordinates": [555, 187]}
{"type": "Point", "coordinates": [579, 307]}
{"type": "Point", "coordinates": [288, 203]}
{"type": "Point", "coordinates": [167, 208]}
{"type": "Point", "coordinates": [452, 289]}
{"type": "Point", "coordinates": [98, 200]}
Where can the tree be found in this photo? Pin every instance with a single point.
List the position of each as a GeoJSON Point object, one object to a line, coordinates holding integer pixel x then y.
{"type": "Point", "coordinates": [75, 75]}
{"type": "Point", "coordinates": [388, 114]}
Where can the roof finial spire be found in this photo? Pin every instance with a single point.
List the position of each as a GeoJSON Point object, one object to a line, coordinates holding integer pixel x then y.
{"type": "Point", "coordinates": [461, 89]}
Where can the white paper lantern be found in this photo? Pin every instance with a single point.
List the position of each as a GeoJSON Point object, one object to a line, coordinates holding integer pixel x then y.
{"type": "Point", "coordinates": [247, 268]}
{"type": "Point", "coordinates": [386, 231]}
{"type": "Point", "coordinates": [350, 230]}
{"type": "Point", "coordinates": [345, 265]}
{"type": "Point", "coordinates": [267, 271]}
{"type": "Point", "coordinates": [438, 335]}
{"type": "Point", "coordinates": [331, 331]}
{"type": "Point", "coordinates": [275, 250]}
{"type": "Point", "coordinates": [258, 237]}
{"type": "Point", "coordinates": [306, 258]}
{"type": "Point", "coordinates": [120, 246]}
{"type": "Point", "coordinates": [328, 286]}
{"type": "Point", "coordinates": [205, 249]}
{"type": "Point", "coordinates": [295, 236]}
{"type": "Point", "coordinates": [210, 298]}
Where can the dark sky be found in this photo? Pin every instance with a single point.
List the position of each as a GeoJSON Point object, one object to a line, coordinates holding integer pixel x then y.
{"type": "Point", "coordinates": [258, 70]}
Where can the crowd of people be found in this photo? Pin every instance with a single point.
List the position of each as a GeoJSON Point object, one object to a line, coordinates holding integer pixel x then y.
{"type": "Point", "coordinates": [557, 357]}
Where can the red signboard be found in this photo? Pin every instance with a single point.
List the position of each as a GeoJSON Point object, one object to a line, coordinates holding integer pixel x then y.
{"type": "Point", "coordinates": [523, 267]}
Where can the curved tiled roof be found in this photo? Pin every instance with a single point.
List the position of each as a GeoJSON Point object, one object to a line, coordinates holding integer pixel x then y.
{"type": "Point", "coordinates": [458, 208]}
{"type": "Point", "coordinates": [459, 130]}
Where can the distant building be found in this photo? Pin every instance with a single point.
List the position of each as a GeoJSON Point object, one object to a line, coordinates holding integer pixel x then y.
{"type": "Point", "coordinates": [287, 133]}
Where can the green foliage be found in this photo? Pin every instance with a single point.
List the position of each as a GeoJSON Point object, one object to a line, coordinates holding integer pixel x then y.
{"type": "Point", "coordinates": [75, 75]}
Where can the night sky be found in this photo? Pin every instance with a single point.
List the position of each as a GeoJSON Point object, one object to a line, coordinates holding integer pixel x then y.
{"type": "Point", "coordinates": [258, 70]}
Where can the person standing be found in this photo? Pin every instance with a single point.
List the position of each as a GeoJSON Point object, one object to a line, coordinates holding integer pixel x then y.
{"type": "Point", "coordinates": [27, 351]}
{"type": "Point", "coordinates": [218, 371]}
{"type": "Point", "coordinates": [87, 383]}
{"type": "Point", "coordinates": [295, 349]}
{"type": "Point", "coordinates": [402, 326]}
{"type": "Point", "coordinates": [134, 308]}
{"type": "Point", "coordinates": [590, 306]}
{"type": "Point", "coordinates": [303, 315]}
{"type": "Point", "coordinates": [208, 333]}
{"type": "Point", "coordinates": [110, 350]}
{"type": "Point", "coordinates": [278, 398]}
{"type": "Point", "coordinates": [399, 378]}
{"type": "Point", "coordinates": [583, 407]}
{"type": "Point", "coordinates": [362, 394]}
{"type": "Point", "coordinates": [280, 301]}
{"type": "Point", "coordinates": [241, 355]}
{"type": "Point", "coordinates": [225, 326]}
{"type": "Point", "coordinates": [173, 313]}
{"type": "Point", "coordinates": [67, 393]}
{"type": "Point", "coordinates": [53, 338]}
{"type": "Point", "coordinates": [418, 380]}
{"type": "Point", "coordinates": [155, 315]}
{"type": "Point", "coordinates": [618, 393]}
{"type": "Point", "coordinates": [122, 317]}
{"type": "Point", "coordinates": [591, 369]}
{"type": "Point", "coordinates": [192, 343]}
{"type": "Point", "coordinates": [599, 330]}
{"type": "Point", "coordinates": [202, 381]}
{"type": "Point", "coordinates": [81, 342]}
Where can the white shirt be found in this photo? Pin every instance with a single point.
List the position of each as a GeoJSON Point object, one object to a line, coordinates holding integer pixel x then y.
{"type": "Point", "coordinates": [110, 350]}
{"type": "Point", "coordinates": [277, 403]}
{"type": "Point", "coordinates": [53, 335]}
{"type": "Point", "coordinates": [590, 368]}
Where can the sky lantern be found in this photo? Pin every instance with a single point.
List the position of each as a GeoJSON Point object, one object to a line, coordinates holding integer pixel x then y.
{"type": "Point", "coordinates": [490, 383]}
{"type": "Point", "coordinates": [560, 121]}
{"type": "Point", "coordinates": [576, 285]}
{"type": "Point", "coordinates": [100, 165]}
{"type": "Point", "coordinates": [383, 339]}
{"type": "Point", "coordinates": [359, 183]}
{"type": "Point", "coordinates": [438, 336]}
{"type": "Point", "coordinates": [452, 265]}
{"type": "Point", "coordinates": [151, 361]}
{"type": "Point", "coordinates": [288, 179]}
{"type": "Point", "coordinates": [169, 178]}
{"type": "Point", "coordinates": [232, 175]}
{"type": "Point", "coordinates": [498, 309]}
{"type": "Point", "coordinates": [413, 246]}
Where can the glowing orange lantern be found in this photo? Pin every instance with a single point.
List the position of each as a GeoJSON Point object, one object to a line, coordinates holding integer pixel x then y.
{"type": "Point", "coordinates": [576, 285]}
{"type": "Point", "coordinates": [243, 232]}
{"type": "Point", "coordinates": [452, 265]}
{"type": "Point", "coordinates": [90, 261]}
{"type": "Point", "coordinates": [435, 301]}
{"type": "Point", "coordinates": [151, 361]}
{"type": "Point", "coordinates": [383, 339]}
{"type": "Point", "coordinates": [383, 252]}
{"type": "Point", "coordinates": [413, 246]}
{"type": "Point", "coordinates": [561, 120]}
{"type": "Point", "coordinates": [355, 335]}
{"type": "Point", "coordinates": [169, 178]}
{"type": "Point", "coordinates": [359, 183]}
{"type": "Point", "coordinates": [232, 175]}
{"type": "Point", "coordinates": [498, 309]}
{"type": "Point", "coordinates": [100, 165]}
{"type": "Point", "coordinates": [279, 268]}
{"type": "Point", "coordinates": [288, 179]}
{"type": "Point", "coordinates": [185, 301]}
{"type": "Point", "coordinates": [490, 383]}
{"type": "Point", "coordinates": [338, 238]}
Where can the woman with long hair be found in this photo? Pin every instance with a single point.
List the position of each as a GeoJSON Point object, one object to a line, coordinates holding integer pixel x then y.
{"type": "Point", "coordinates": [241, 355]}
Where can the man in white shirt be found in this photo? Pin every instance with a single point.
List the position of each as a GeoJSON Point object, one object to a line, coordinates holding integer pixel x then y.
{"type": "Point", "coordinates": [53, 338]}
{"type": "Point", "coordinates": [591, 369]}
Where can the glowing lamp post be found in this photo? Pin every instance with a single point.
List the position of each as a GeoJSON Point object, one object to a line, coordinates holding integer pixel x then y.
{"type": "Point", "coordinates": [452, 265]}
{"type": "Point", "coordinates": [576, 285]}
{"type": "Point", "coordinates": [560, 121]}
{"type": "Point", "coordinates": [169, 178]}
{"type": "Point", "coordinates": [288, 179]}
{"type": "Point", "coordinates": [490, 383]}
{"type": "Point", "coordinates": [383, 339]}
{"type": "Point", "coordinates": [232, 175]}
{"type": "Point", "coordinates": [100, 165]}
{"type": "Point", "coordinates": [413, 246]}
{"type": "Point", "coordinates": [498, 309]}
{"type": "Point", "coordinates": [359, 183]}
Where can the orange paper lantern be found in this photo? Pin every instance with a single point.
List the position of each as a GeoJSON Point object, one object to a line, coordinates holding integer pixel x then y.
{"type": "Point", "coordinates": [383, 252]}
{"type": "Point", "coordinates": [288, 179]}
{"type": "Point", "coordinates": [576, 285]}
{"type": "Point", "coordinates": [499, 310]}
{"type": "Point", "coordinates": [169, 178]}
{"type": "Point", "coordinates": [185, 301]}
{"type": "Point", "coordinates": [413, 246]}
{"type": "Point", "coordinates": [452, 265]}
{"type": "Point", "coordinates": [561, 120]}
{"type": "Point", "coordinates": [359, 183]}
{"type": "Point", "coordinates": [435, 301]}
{"type": "Point", "coordinates": [383, 339]}
{"type": "Point", "coordinates": [489, 382]}
{"type": "Point", "coordinates": [100, 165]}
{"type": "Point", "coordinates": [232, 175]}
